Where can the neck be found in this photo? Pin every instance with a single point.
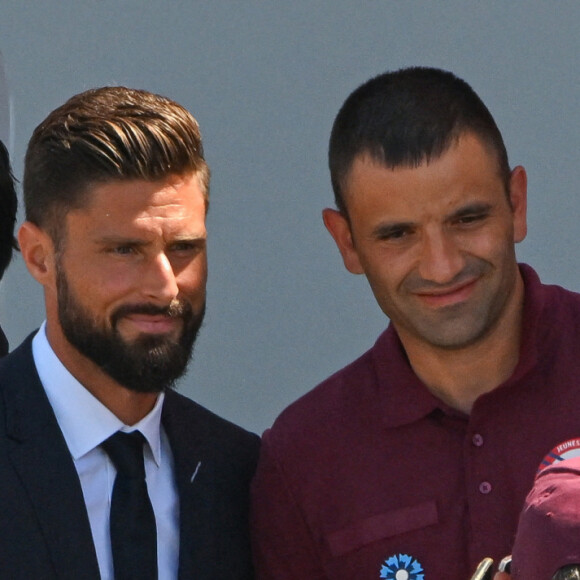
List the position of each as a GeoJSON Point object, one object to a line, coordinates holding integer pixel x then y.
{"type": "Point", "coordinates": [460, 376]}
{"type": "Point", "coordinates": [128, 405]}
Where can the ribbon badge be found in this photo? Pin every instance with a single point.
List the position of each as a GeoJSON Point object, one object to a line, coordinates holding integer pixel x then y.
{"type": "Point", "coordinates": [402, 567]}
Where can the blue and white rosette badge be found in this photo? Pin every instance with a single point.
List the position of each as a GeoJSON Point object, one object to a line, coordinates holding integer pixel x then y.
{"type": "Point", "coordinates": [402, 567]}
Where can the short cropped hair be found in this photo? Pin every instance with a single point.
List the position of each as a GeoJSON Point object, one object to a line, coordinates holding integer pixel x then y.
{"type": "Point", "coordinates": [8, 209]}
{"type": "Point", "coordinates": [103, 135]}
{"type": "Point", "coordinates": [406, 118]}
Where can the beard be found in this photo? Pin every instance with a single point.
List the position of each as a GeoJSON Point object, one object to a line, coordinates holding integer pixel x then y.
{"type": "Point", "coordinates": [149, 363]}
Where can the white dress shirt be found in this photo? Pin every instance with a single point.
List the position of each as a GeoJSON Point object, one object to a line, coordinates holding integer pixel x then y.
{"type": "Point", "coordinates": [85, 423]}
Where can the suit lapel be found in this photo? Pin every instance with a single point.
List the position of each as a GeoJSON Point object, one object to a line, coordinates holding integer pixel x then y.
{"type": "Point", "coordinates": [41, 458]}
{"type": "Point", "coordinates": [191, 456]}
{"type": "Point", "coordinates": [214, 462]}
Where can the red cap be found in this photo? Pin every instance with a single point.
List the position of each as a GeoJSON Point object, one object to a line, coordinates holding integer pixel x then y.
{"type": "Point", "coordinates": [548, 535]}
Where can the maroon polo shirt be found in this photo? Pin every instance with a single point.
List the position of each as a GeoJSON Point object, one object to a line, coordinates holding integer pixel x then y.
{"type": "Point", "coordinates": [369, 474]}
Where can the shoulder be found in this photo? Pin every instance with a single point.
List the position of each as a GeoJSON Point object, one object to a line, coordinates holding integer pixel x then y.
{"type": "Point", "coordinates": [20, 355]}
{"type": "Point", "coordinates": [186, 411]}
{"type": "Point", "coordinates": [551, 312]}
{"type": "Point", "coordinates": [548, 297]}
{"type": "Point", "coordinates": [344, 397]}
{"type": "Point", "coordinates": [558, 296]}
{"type": "Point", "coordinates": [559, 313]}
{"type": "Point", "coordinates": [17, 369]}
{"type": "Point", "coordinates": [187, 420]}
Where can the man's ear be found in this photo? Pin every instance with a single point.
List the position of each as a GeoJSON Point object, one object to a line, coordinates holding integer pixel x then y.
{"type": "Point", "coordinates": [38, 252]}
{"type": "Point", "coordinates": [339, 229]}
{"type": "Point", "coordinates": [519, 202]}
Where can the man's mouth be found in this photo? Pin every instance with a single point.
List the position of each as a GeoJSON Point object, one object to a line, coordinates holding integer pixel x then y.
{"type": "Point", "coordinates": [441, 297]}
{"type": "Point", "coordinates": [153, 323]}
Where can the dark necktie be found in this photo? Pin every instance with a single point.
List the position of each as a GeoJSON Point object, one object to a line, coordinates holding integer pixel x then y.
{"type": "Point", "coordinates": [132, 525]}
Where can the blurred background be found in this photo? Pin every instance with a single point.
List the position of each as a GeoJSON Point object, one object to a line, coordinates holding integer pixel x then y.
{"type": "Point", "coordinates": [265, 80]}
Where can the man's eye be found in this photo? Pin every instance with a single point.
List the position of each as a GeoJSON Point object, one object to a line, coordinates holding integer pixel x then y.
{"type": "Point", "coordinates": [182, 246]}
{"type": "Point", "coordinates": [471, 218]}
{"type": "Point", "coordinates": [188, 248]}
{"type": "Point", "coordinates": [395, 234]}
{"type": "Point", "coordinates": [123, 250]}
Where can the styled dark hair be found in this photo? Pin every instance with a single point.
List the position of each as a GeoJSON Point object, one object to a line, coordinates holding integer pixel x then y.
{"type": "Point", "coordinates": [408, 117]}
{"type": "Point", "coordinates": [8, 208]}
{"type": "Point", "coordinates": [102, 135]}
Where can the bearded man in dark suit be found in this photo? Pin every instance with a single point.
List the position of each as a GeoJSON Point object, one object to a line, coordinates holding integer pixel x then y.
{"type": "Point", "coordinates": [116, 193]}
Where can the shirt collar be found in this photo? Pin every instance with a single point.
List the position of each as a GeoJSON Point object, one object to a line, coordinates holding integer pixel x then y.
{"type": "Point", "coordinates": [406, 399]}
{"type": "Point", "coordinates": [84, 421]}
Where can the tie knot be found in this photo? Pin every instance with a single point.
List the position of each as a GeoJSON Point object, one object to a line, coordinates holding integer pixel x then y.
{"type": "Point", "coordinates": [126, 452]}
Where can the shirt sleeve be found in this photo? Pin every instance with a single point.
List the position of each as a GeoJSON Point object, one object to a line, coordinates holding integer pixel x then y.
{"type": "Point", "coordinates": [282, 543]}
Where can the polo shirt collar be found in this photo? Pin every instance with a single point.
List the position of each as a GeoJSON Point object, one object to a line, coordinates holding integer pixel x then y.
{"type": "Point", "coordinates": [534, 302]}
{"type": "Point", "coordinates": [84, 421]}
{"type": "Point", "coordinates": [405, 398]}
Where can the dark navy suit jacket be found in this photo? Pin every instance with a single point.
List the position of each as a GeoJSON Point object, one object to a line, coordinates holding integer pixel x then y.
{"type": "Point", "coordinates": [44, 526]}
{"type": "Point", "coordinates": [3, 343]}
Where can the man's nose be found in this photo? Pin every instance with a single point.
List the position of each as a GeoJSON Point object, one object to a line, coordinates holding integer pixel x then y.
{"type": "Point", "coordinates": [441, 259]}
{"type": "Point", "coordinates": [159, 281]}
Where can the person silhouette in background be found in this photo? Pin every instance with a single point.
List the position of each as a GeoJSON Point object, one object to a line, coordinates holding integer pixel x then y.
{"type": "Point", "coordinates": [8, 209]}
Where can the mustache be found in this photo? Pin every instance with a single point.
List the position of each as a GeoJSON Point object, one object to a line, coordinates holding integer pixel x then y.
{"type": "Point", "coordinates": [177, 309]}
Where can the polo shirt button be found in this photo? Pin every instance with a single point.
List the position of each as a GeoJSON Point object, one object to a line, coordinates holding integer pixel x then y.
{"type": "Point", "coordinates": [477, 440]}
{"type": "Point", "coordinates": [485, 487]}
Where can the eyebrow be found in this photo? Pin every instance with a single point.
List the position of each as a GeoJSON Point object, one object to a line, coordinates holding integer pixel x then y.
{"type": "Point", "coordinates": [114, 239]}
{"type": "Point", "coordinates": [472, 208]}
{"type": "Point", "coordinates": [117, 239]}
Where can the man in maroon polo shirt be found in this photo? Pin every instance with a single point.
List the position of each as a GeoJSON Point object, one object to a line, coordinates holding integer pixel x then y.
{"type": "Point", "coordinates": [413, 462]}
